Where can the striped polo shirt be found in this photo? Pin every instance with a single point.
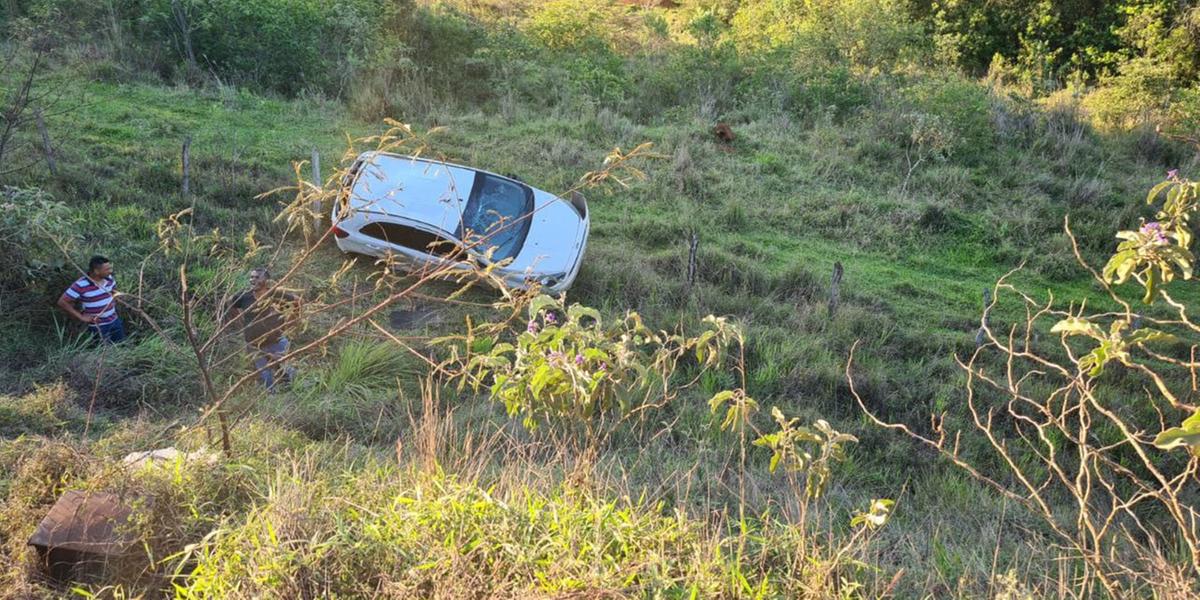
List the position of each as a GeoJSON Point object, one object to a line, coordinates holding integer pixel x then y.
{"type": "Point", "coordinates": [95, 299]}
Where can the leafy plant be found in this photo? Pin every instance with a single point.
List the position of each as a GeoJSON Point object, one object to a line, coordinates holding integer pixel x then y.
{"type": "Point", "coordinates": [567, 365]}
{"type": "Point", "coordinates": [1159, 249]}
{"type": "Point", "coordinates": [34, 229]}
{"type": "Point", "coordinates": [790, 447]}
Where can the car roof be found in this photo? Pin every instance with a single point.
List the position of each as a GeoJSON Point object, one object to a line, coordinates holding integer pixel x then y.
{"type": "Point", "coordinates": [428, 192]}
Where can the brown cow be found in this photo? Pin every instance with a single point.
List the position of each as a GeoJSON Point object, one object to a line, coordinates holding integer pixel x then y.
{"type": "Point", "coordinates": [724, 133]}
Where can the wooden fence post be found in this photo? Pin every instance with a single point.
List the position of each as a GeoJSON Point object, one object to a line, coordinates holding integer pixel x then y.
{"type": "Point", "coordinates": [187, 163]}
{"type": "Point", "coordinates": [693, 246]}
{"type": "Point", "coordinates": [835, 285]}
{"type": "Point", "coordinates": [41, 125]}
{"type": "Point", "coordinates": [316, 179]}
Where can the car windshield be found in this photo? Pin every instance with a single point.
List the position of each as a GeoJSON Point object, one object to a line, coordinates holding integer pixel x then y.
{"type": "Point", "coordinates": [497, 216]}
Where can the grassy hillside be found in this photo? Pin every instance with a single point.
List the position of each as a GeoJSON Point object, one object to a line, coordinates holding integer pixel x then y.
{"type": "Point", "coordinates": [925, 185]}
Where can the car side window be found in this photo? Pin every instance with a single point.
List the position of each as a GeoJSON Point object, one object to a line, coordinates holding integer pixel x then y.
{"type": "Point", "coordinates": [413, 239]}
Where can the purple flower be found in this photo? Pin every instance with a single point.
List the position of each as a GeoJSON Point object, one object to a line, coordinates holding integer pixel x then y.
{"type": "Point", "coordinates": [533, 327]}
{"type": "Point", "coordinates": [579, 360]}
{"type": "Point", "coordinates": [1173, 174]}
{"type": "Point", "coordinates": [1155, 232]}
{"type": "Point", "coordinates": [603, 366]}
{"type": "Point", "coordinates": [550, 318]}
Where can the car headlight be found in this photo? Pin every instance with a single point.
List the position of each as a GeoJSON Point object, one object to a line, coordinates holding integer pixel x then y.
{"type": "Point", "coordinates": [551, 280]}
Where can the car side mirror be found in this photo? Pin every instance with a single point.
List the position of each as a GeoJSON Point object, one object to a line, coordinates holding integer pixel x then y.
{"type": "Point", "coordinates": [580, 204]}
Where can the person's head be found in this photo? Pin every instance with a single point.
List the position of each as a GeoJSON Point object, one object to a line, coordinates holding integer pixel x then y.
{"type": "Point", "coordinates": [99, 266]}
{"type": "Point", "coordinates": [259, 277]}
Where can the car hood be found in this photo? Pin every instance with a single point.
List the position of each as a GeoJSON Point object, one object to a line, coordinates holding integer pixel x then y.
{"type": "Point", "coordinates": [555, 237]}
{"type": "Point", "coordinates": [433, 194]}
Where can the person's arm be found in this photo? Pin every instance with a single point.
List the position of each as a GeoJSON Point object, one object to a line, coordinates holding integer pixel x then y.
{"type": "Point", "coordinates": [235, 311]}
{"type": "Point", "coordinates": [67, 303]}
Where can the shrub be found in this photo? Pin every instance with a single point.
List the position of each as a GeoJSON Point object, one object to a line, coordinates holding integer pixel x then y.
{"type": "Point", "coordinates": [355, 393]}
{"type": "Point", "coordinates": [569, 368]}
{"type": "Point", "coordinates": [873, 35]}
{"type": "Point", "coordinates": [811, 90]}
{"type": "Point", "coordinates": [33, 230]}
{"type": "Point", "coordinates": [578, 36]}
{"type": "Point", "coordinates": [1026, 387]}
{"type": "Point", "coordinates": [1141, 91]}
{"type": "Point", "coordinates": [571, 25]}
{"type": "Point", "coordinates": [285, 45]}
{"type": "Point", "coordinates": [963, 107]}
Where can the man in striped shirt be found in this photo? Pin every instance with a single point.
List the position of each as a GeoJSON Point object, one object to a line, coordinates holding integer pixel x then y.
{"type": "Point", "coordinates": [97, 306]}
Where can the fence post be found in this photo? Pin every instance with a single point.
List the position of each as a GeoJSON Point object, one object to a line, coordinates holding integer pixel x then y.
{"type": "Point", "coordinates": [41, 125]}
{"type": "Point", "coordinates": [835, 286]}
{"type": "Point", "coordinates": [693, 246]}
{"type": "Point", "coordinates": [318, 183]}
{"type": "Point", "coordinates": [187, 163]}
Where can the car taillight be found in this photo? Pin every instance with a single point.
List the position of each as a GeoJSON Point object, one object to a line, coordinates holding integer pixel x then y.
{"type": "Point", "coordinates": [339, 233]}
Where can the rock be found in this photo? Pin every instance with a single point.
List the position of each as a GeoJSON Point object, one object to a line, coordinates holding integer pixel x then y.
{"type": "Point", "coordinates": [163, 455]}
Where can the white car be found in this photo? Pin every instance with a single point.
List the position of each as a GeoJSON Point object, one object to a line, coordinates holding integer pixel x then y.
{"type": "Point", "coordinates": [428, 213]}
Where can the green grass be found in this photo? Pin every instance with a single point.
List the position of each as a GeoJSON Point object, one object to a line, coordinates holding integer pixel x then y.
{"type": "Point", "coordinates": [795, 195]}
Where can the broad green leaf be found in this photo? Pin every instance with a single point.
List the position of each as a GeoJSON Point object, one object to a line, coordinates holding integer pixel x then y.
{"type": "Point", "coordinates": [730, 417]}
{"type": "Point", "coordinates": [1076, 326]}
{"type": "Point", "coordinates": [541, 378]}
{"type": "Point", "coordinates": [594, 354]}
{"type": "Point", "coordinates": [1143, 336]}
{"type": "Point", "coordinates": [1094, 361]}
{"type": "Point", "coordinates": [1187, 434]}
{"type": "Point", "coordinates": [537, 304]}
{"type": "Point", "coordinates": [1181, 257]}
{"type": "Point", "coordinates": [578, 312]}
{"type": "Point", "coordinates": [1120, 266]}
{"type": "Point", "coordinates": [876, 516]}
{"type": "Point", "coordinates": [718, 399]}
{"type": "Point", "coordinates": [1156, 190]}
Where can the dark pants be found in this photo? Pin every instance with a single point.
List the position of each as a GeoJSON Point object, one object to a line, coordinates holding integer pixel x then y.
{"type": "Point", "coordinates": [267, 354]}
{"type": "Point", "coordinates": [112, 332]}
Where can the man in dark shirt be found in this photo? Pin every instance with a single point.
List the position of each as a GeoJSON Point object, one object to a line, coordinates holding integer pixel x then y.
{"type": "Point", "coordinates": [263, 323]}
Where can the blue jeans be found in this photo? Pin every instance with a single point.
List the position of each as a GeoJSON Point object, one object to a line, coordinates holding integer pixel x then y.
{"type": "Point", "coordinates": [112, 332]}
{"type": "Point", "coordinates": [267, 354]}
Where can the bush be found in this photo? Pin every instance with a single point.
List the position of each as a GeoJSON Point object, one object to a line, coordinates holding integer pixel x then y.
{"type": "Point", "coordinates": [285, 45]}
{"type": "Point", "coordinates": [33, 229]}
{"type": "Point", "coordinates": [354, 394]}
{"type": "Point", "coordinates": [873, 35]}
{"type": "Point", "coordinates": [1141, 91]}
{"type": "Point", "coordinates": [811, 90]}
{"type": "Point", "coordinates": [577, 34]}
{"type": "Point", "coordinates": [963, 107]}
{"type": "Point", "coordinates": [571, 25]}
